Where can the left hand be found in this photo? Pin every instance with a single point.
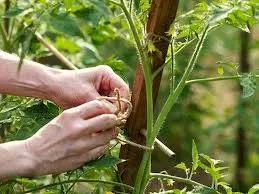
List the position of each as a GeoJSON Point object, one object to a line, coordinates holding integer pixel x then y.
{"type": "Point", "coordinates": [75, 87]}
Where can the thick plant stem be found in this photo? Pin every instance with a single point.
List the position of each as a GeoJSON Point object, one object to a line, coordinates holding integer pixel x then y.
{"type": "Point", "coordinates": [174, 95]}
{"type": "Point", "coordinates": [149, 94]}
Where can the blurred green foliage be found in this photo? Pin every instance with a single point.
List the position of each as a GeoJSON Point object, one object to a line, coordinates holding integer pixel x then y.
{"type": "Point", "coordinates": [93, 32]}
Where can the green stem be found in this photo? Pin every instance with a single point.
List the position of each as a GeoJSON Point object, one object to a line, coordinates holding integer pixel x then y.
{"type": "Point", "coordinates": [4, 37]}
{"type": "Point", "coordinates": [173, 65]}
{"type": "Point", "coordinates": [178, 51]}
{"type": "Point", "coordinates": [211, 79]}
{"type": "Point", "coordinates": [149, 94]}
{"type": "Point", "coordinates": [79, 181]}
{"type": "Point", "coordinates": [177, 179]}
{"type": "Point", "coordinates": [174, 95]}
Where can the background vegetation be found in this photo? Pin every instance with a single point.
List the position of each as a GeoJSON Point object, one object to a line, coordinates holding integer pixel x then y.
{"type": "Point", "coordinates": [223, 124]}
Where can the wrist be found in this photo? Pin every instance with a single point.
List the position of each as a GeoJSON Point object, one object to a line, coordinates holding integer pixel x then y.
{"type": "Point", "coordinates": [16, 160]}
{"type": "Point", "coordinates": [49, 85]}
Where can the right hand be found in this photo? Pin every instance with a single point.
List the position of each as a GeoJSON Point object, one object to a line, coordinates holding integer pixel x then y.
{"type": "Point", "coordinates": [75, 137]}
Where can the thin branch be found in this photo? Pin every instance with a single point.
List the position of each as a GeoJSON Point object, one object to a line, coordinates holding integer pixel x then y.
{"type": "Point", "coordinates": [178, 179]}
{"type": "Point", "coordinates": [160, 145]}
{"type": "Point", "coordinates": [79, 181]}
{"type": "Point", "coordinates": [4, 37]}
{"type": "Point", "coordinates": [215, 79]}
{"type": "Point", "coordinates": [121, 139]}
{"type": "Point", "coordinates": [55, 51]}
{"type": "Point", "coordinates": [178, 51]}
{"type": "Point", "coordinates": [172, 99]}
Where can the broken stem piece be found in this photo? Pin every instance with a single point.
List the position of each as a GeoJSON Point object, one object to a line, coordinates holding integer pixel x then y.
{"type": "Point", "coordinates": [160, 145]}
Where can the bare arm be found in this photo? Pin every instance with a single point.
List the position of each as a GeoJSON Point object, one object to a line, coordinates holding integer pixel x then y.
{"type": "Point", "coordinates": [33, 80]}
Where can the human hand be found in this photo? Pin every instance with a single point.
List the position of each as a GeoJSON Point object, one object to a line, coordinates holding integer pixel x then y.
{"type": "Point", "coordinates": [75, 137]}
{"type": "Point", "coordinates": [75, 87]}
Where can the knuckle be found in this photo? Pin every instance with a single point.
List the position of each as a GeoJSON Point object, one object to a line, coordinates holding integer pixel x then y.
{"type": "Point", "coordinates": [105, 68]}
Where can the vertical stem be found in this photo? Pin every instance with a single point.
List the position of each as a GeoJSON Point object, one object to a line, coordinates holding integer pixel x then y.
{"type": "Point", "coordinates": [242, 149]}
{"type": "Point", "coordinates": [7, 20]}
{"type": "Point", "coordinates": [4, 38]}
{"type": "Point", "coordinates": [174, 95]}
{"type": "Point", "coordinates": [149, 94]}
{"type": "Point", "coordinates": [173, 65]}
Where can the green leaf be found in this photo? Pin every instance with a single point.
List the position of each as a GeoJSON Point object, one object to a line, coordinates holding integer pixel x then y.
{"type": "Point", "coordinates": [212, 161]}
{"type": "Point", "coordinates": [104, 162]}
{"type": "Point", "coordinates": [66, 24]}
{"type": "Point", "coordinates": [182, 166]}
{"type": "Point", "coordinates": [219, 14]}
{"type": "Point", "coordinates": [248, 83]}
{"type": "Point", "coordinates": [226, 187]}
{"type": "Point", "coordinates": [67, 44]}
{"type": "Point", "coordinates": [195, 156]}
{"type": "Point", "coordinates": [254, 189]}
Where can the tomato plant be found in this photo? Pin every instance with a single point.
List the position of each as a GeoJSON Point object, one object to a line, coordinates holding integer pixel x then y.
{"type": "Point", "coordinates": [79, 28]}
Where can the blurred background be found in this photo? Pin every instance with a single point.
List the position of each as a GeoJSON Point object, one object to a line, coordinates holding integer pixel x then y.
{"type": "Point", "coordinates": [223, 124]}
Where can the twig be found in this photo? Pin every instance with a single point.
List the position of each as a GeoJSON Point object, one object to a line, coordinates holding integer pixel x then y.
{"type": "Point", "coordinates": [178, 179]}
{"type": "Point", "coordinates": [79, 181]}
{"type": "Point", "coordinates": [55, 51]}
{"type": "Point", "coordinates": [121, 139]}
{"type": "Point", "coordinates": [160, 145]}
{"type": "Point", "coordinates": [215, 79]}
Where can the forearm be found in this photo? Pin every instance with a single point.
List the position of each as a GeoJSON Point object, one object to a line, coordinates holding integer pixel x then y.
{"type": "Point", "coordinates": [33, 80]}
{"type": "Point", "coordinates": [15, 160]}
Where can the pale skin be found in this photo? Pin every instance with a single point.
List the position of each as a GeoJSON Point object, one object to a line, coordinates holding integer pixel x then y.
{"type": "Point", "coordinates": [80, 134]}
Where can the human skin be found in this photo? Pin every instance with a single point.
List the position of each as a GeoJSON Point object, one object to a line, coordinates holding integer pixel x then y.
{"type": "Point", "coordinates": [78, 135]}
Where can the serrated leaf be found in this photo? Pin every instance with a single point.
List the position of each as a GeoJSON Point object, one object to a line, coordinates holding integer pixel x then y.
{"type": "Point", "coordinates": [182, 166]}
{"type": "Point", "coordinates": [248, 83]}
{"type": "Point", "coordinates": [104, 162]}
{"type": "Point", "coordinates": [211, 160]}
{"type": "Point", "coordinates": [195, 156]}
{"type": "Point", "coordinates": [219, 13]}
{"type": "Point", "coordinates": [226, 187]}
{"type": "Point", "coordinates": [66, 24]}
{"type": "Point", "coordinates": [254, 189]}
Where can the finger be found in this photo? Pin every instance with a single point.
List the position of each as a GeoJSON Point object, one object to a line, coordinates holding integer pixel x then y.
{"type": "Point", "coordinates": [95, 108]}
{"type": "Point", "coordinates": [74, 162]}
{"type": "Point", "coordinates": [97, 140]}
{"type": "Point", "coordinates": [100, 123]}
{"type": "Point", "coordinates": [93, 154]}
{"type": "Point", "coordinates": [117, 82]}
{"type": "Point", "coordinates": [110, 81]}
